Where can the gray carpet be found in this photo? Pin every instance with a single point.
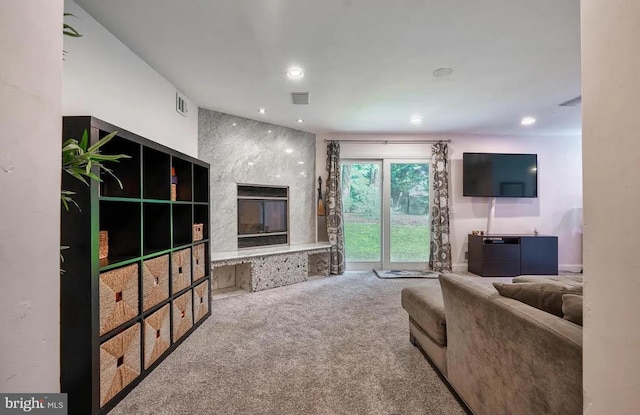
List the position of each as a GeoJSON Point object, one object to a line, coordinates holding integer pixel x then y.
{"type": "Point", "coordinates": [395, 273]}
{"type": "Point", "coordinates": [336, 345]}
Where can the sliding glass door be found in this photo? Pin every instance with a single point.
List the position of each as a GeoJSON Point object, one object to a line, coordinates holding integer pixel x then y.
{"type": "Point", "coordinates": [386, 213]}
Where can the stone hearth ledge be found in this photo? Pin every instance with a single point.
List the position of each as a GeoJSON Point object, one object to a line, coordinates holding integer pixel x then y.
{"type": "Point", "coordinates": [276, 266]}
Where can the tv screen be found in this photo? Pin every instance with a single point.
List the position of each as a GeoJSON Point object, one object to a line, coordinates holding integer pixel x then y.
{"type": "Point", "coordinates": [499, 175]}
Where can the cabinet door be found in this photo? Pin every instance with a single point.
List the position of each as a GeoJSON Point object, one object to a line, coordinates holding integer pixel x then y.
{"type": "Point", "coordinates": [539, 255]}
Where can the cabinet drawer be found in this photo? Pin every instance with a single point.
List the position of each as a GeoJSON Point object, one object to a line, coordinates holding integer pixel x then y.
{"type": "Point", "coordinates": [182, 315]}
{"type": "Point", "coordinates": [200, 301]}
{"type": "Point", "coordinates": [157, 335]}
{"type": "Point", "coordinates": [500, 268]}
{"type": "Point", "coordinates": [118, 297]}
{"type": "Point", "coordinates": [119, 362]}
{"type": "Point", "coordinates": [155, 281]}
{"type": "Point", "coordinates": [180, 270]}
{"type": "Point", "coordinates": [501, 252]}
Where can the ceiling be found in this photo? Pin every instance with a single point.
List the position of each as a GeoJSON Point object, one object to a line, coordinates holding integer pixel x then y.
{"type": "Point", "coordinates": [368, 63]}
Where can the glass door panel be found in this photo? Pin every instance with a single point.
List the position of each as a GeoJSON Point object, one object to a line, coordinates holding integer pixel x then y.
{"type": "Point", "coordinates": [407, 199]}
{"type": "Point", "coordinates": [361, 205]}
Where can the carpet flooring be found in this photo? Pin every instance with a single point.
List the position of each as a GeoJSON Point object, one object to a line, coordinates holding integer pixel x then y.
{"type": "Point", "coordinates": [335, 345]}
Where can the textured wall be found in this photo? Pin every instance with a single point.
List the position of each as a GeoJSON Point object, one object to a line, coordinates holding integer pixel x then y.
{"type": "Point", "coordinates": [248, 153]}
{"type": "Point", "coordinates": [30, 125]}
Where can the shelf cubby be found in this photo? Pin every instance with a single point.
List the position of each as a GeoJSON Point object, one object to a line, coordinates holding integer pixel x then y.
{"type": "Point", "coordinates": [200, 184]}
{"type": "Point", "coordinates": [183, 173]}
{"type": "Point", "coordinates": [157, 227]}
{"type": "Point", "coordinates": [201, 215]}
{"type": "Point", "coordinates": [156, 174]}
{"type": "Point", "coordinates": [182, 225]}
{"type": "Point", "coordinates": [127, 170]}
{"type": "Point", "coordinates": [122, 222]}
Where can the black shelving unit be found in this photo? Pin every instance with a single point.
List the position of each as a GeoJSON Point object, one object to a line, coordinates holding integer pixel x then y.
{"type": "Point", "coordinates": [123, 314]}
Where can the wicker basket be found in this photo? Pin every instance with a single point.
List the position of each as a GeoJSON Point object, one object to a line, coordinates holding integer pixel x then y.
{"type": "Point", "coordinates": [182, 315]}
{"type": "Point", "coordinates": [199, 259]}
{"type": "Point", "coordinates": [198, 231]}
{"type": "Point", "coordinates": [200, 301]}
{"type": "Point", "coordinates": [180, 270]}
{"type": "Point", "coordinates": [174, 192]}
{"type": "Point", "coordinates": [119, 362]}
{"type": "Point", "coordinates": [103, 251]}
{"type": "Point", "coordinates": [155, 281]}
{"type": "Point", "coordinates": [157, 336]}
{"type": "Point", "coordinates": [118, 297]}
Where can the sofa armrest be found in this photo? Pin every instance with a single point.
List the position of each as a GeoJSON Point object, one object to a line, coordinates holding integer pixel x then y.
{"type": "Point", "coordinates": [506, 357]}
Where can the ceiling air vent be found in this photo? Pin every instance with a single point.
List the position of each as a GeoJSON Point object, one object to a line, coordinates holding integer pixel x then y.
{"type": "Point", "coordinates": [300, 98]}
{"type": "Point", "coordinates": [572, 102]}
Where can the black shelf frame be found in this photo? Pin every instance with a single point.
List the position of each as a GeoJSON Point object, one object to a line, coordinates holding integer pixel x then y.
{"type": "Point", "coordinates": [136, 217]}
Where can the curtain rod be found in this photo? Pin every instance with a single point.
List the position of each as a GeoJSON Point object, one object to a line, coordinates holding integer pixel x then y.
{"type": "Point", "coordinates": [391, 141]}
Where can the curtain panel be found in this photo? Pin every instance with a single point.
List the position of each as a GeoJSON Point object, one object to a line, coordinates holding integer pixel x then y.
{"type": "Point", "coordinates": [335, 225]}
{"type": "Point", "coordinates": [440, 247]}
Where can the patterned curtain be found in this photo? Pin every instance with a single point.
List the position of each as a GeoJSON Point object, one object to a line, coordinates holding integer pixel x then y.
{"type": "Point", "coordinates": [440, 251]}
{"type": "Point", "coordinates": [335, 226]}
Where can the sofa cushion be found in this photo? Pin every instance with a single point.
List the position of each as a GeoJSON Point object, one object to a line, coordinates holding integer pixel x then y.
{"type": "Point", "coordinates": [573, 280]}
{"type": "Point", "coordinates": [572, 308]}
{"type": "Point", "coordinates": [546, 296]}
{"type": "Point", "coordinates": [426, 307]}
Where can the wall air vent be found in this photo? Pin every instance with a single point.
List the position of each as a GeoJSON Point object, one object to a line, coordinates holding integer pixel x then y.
{"type": "Point", "coordinates": [300, 98]}
{"type": "Point", "coordinates": [181, 105]}
{"type": "Point", "coordinates": [572, 102]}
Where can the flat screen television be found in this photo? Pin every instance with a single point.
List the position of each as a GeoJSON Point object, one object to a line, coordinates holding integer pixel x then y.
{"type": "Point", "coordinates": [499, 175]}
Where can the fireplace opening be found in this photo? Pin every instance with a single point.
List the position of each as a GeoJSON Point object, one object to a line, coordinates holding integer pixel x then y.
{"type": "Point", "coordinates": [263, 215]}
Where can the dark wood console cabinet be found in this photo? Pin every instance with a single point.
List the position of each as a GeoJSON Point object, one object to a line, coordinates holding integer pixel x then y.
{"type": "Point", "coordinates": [512, 255]}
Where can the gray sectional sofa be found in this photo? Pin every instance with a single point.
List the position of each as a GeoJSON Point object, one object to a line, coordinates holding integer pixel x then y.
{"type": "Point", "coordinates": [500, 355]}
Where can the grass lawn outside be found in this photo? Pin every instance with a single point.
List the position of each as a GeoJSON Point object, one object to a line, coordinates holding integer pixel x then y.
{"type": "Point", "coordinates": [408, 243]}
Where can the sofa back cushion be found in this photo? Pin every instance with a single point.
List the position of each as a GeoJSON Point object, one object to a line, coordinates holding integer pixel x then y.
{"type": "Point", "coordinates": [572, 308]}
{"type": "Point", "coordinates": [545, 296]}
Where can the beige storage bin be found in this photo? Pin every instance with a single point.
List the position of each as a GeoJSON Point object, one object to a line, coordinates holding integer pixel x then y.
{"type": "Point", "coordinates": [118, 297]}
{"type": "Point", "coordinates": [182, 315]}
{"type": "Point", "coordinates": [199, 260]}
{"type": "Point", "coordinates": [119, 362]}
{"type": "Point", "coordinates": [155, 281]}
{"type": "Point", "coordinates": [157, 335]}
{"type": "Point", "coordinates": [200, 301]}
{"type": "Point", "coordinates": [180, 270]}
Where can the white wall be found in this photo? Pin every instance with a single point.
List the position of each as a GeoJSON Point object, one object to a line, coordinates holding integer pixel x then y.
{"type": "Point", "coordinates": [556, 211]}
{"type": "Point", "coordinates": [30, 125]}
{"type": "Point", "coordinates": [103, 78]}
{"type": "Point", "coordinates": [611, 152]}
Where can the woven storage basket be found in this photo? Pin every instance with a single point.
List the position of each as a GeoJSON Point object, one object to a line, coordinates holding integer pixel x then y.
{"type": "Point", "coordinates": [157, 336]}
{"type": "Point", "coordinates": [200, 301]}
{"type": "Point", "coordinates": [119, 362]}
{"type": "Point", "coordinates": [182, 315]}
{"type": "Point", "coordinates": [103, 245]}
{"type": "Point", "coordinates": [118, 297]}
{"type": "Point", "coordinates": [180, 270]}
{"type": "Point", "coordinates": [199, 259]}
{"type": "Point", "coordinates": [197, 231]}
{"type": "Point", "coordinates": [155, 281]}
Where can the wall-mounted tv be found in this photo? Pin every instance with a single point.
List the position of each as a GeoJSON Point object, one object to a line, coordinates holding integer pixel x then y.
{"type": "Point", "coordinates": [499, 175]}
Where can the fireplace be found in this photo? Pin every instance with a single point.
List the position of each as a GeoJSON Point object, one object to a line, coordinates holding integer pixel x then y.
{"type": "Point", "coordinates": [263, 215]}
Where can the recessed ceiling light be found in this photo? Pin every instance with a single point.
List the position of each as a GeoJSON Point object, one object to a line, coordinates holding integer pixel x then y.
{"type": "Point", "coordinates": [528, 121]}
{"type": "Point", "coordinates": [416, 119]}
{"type": "Point", "coordinates": [442, 72]}
{"type": "Point", "coordinates": [300, 120]}
{"type": "Point", "coordinates": [295, 73]}
{"type": "Point", "coordinates": [262, 111]}
{"type": "Point", "coordinates": [288, 151]}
